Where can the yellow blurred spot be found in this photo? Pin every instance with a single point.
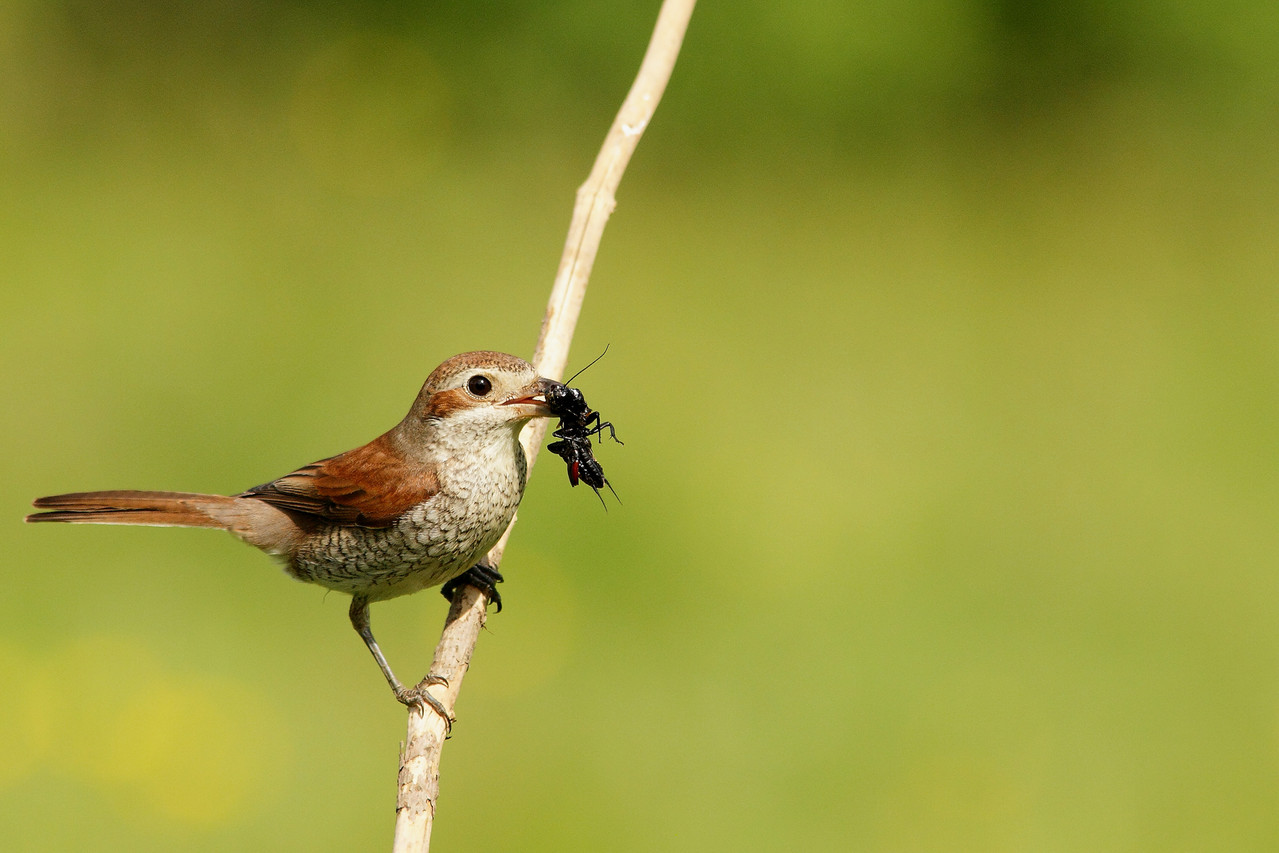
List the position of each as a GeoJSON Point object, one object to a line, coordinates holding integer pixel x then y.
{"type": "Point", "coordinates": [201, 750]}
{"type": "Point", "coordinates": [92, 678]}
{"type": "Point", "coordinates": [194, 749]}
{"type": "Point", "coordinates": [25, 725]}
{"type": "Point", "coordinates": [954, 801]}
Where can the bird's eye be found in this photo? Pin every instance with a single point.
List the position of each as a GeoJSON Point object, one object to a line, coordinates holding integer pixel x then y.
{"type": "Point", "coordinates": [479, 385]}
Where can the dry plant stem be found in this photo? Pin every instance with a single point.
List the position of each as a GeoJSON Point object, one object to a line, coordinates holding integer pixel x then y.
{"type": "Point", "coordinates": [419, 779]}
{"type": "Point", "coordinates": [420, 759]}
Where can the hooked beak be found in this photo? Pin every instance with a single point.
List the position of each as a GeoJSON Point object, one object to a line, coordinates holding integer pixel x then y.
{"type": "Point", "coordinates": [532, 398]}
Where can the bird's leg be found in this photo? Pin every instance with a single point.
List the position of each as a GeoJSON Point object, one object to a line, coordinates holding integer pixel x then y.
{"type": "Point", "coordinates": [406, 695]}
{"type": "Point", "coordinates": [483, 577]}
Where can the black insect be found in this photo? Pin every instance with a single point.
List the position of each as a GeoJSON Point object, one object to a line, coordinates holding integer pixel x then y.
{"type": "Point", "coordinates": [578, 423]}
{"type": "Point", "coordinates": [582, 464]}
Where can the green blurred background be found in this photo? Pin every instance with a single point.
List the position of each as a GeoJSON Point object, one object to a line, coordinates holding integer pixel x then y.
{"type": "Point", "coordinates": [943, 343]}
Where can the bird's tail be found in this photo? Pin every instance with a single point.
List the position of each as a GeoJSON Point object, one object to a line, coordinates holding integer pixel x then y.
{"type": "Point", "coordinates": [157, 509]}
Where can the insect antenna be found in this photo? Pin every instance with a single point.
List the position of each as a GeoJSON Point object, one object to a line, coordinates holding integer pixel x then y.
{"type": "Point", "coordinates": [583, 370]}
{"type": "Point", "coordinates": [600, 495]}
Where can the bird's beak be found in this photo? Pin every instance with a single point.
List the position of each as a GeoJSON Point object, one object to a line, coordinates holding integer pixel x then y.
{"type": "Point", "coordinates": [532, 398]}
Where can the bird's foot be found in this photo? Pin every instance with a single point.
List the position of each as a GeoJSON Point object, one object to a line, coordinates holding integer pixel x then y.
{"type": "Point", "coordinates": [482, 577]}
{"type": "Point", "coordinates": [417, 697]}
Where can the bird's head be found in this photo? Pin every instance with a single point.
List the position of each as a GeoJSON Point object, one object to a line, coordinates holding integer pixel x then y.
{"type": "Point", "coordinates": [479, 393]}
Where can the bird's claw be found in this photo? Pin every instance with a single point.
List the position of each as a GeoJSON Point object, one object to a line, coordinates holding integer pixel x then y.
{"type": "Point", "coordinates": [418, 697]}
{"type": "Point", "coordinates": [480, 576]}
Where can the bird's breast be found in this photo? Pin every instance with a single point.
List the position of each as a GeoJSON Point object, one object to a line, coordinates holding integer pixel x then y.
{"type": "Point", "coordinates": [432, 542]}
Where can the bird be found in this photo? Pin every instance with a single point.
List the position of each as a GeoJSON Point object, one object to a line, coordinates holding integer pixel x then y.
{"type": "Point", "coordinates": [418, 506]}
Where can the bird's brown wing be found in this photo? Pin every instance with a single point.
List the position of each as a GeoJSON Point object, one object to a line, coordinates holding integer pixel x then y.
{"type": "Point", "coordinates": [370, 486]}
